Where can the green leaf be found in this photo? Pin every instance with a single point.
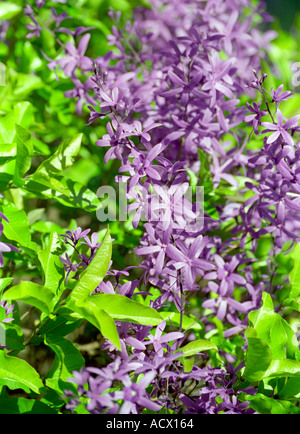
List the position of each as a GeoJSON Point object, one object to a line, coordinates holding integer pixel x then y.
{"type": "Point", "coordinates": [18, 227]}
{"type": "Point", "coordinates": [258, 359]}
{"type": "Point", "coordinates": [21, 114]}
{"type": "Point", "coordinates": [18, 373]}
{"type": "Point", "coordinates": [24, 154]}
{"type": "Point", "coordinates": [61, 326]}
{"type": "Point", "coordinates": [294, 275]}
{"type": "Point", "coordinates": [291, 388]}
{"type": "Point", "coordinates": [107, 327]}
{"type": "Point", "coordinates": [266, 405]}
{"type": "Point", "coordinates": [173, 318]}
{"type": "Point", "coordinates": [47, 173]}
{"type": "Point", "coordinates": [8, 150]}
{"type": "Point", "coordinates": [14, 337]}
{"type": "Point", "coordinates": [33, 294]}
{"type": "Point", "coordinates": [2, 317]}
{"type": "Point", "coordinates": [121, 308]}
{"type": "Point", "coordinates": [62, 158]}
{"type": "Point", "coordinates": [47, 181]}
{"type": "Point", "coordinates": [46, 227]}
{"type": "Point", "coordinates": [95, 272]}
{"type": "Point", "coordinates": [283, 368]}
{"type": "Point", "coordinates": [63, 190]}
{"type": "Point", "coordinates": [25, 84]}
{"type": "Point", "coordinates": [188, 363]}
{"type": "Point", "coordinates": [274, 330]}
{"type": "Point", "coordinates": [69, 359]}
{"type": "Point", "coordinates": [24, 406]}
{"type": "Point", "coordinates": [197, 347]}
{"type": "Point", "coordinates": [4, 282]}
{"type": "Point", "coordinates": [8, 10]}
{"type": "Point", "coordinates": [53, 269]}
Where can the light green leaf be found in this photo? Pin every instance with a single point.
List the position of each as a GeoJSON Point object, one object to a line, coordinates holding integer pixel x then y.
{"type": "Point", "coordinates": [8, 10]}
{"type": "Point", "coordinates": [95, 272]}
{"type": "Point", "coordinates": [53, 269]}
{"type": "Point", "coordinates": [295, 273]}
{"type": "Point", "coordinates": [33, 294]}
{"type": "Point", "coordinates": [47, 174]}
{"type": "Point", "coordinates": [258, 359]}
{"type": "Point", "coordinates": [62, 158]}
{"type": "Point", "coordinates": [21, 114]}
{"type": "Point", "coordinates": [14, 371]}
{"type": "Point", "coordinates": [4, 282]}
{"type": "Point", "coordinates": [267, 405]}
{"type": "Point", "coordinates": [274, 330]}
{"type": "Point", "coordinates": [107, 327]}
{"type": "Point", "coordinates": [283, 368]}
{"type": "Point", "coordinates": [60, 326]}
{"type": "Point", "coordinates": [24, 154]}
{"type": "Point", "coordinates": [8, 150]}
{"type": "Point", "coordinates": [188, 363]}
{"type": "Point", "coordinates": [18, 227]}
{"type": "Point", "coordinates": [173, 318]}
{"type": "Point", "coordinates": [65, 191]}
{"type": "Point", "coordinates": [122, 308]}
{"type": "Point", "coordinates": [197, 347]}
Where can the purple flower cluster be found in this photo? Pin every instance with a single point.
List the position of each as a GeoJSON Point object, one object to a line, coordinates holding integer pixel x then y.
{"type": "Point", "coordinates": [158, 384]}
{"type": "Point", "coordinates": [274, 207]}
{"type": "Point", "coordinates": [74, 238]}
{"type": "Point", "coordinates": [172, 94]}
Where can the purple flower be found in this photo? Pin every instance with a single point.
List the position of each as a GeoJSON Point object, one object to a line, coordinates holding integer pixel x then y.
{"type": "Point", "coordinates": [93, 242]}
{"type": "Point", "coordinates": [69, 266]}
{"type": "Point", "coordinates": [115, 139]}
{"type": "Point", "coordinates": [74, 236]}
{"type": "Point", "coordinates": [4, 247]}
{"type": "Point", "coordinates": [171, 207]}
{"type": "Point", "coordinates": [35, 29]}
{"type": "Point", "coordinates": [225, 274]}
{"type": "Point", "coordinates": [278, 95]}
{"type": "Point", "coordinates": [219, 80]}
{"type": "Point", "coordinates": [187, 260]}
{"type": "Point", "coordinates": [159, 244]}
{"type": "Point", "coordinates": [281, 129]}
{"type": "Point", "coordinates": [254, 119]}
{"type": "Point", "coordinates": [185, 66]}
{"type": "Point", "coordinates": [59, 18]}
{"type": "Point", "coordinates": [142, 165]}
{"type": "Point", "coordinates": [159, 340]}
{"type": "Point", "coordinates": [137, 130]}
{"type": "Point", "coordinates": [114, 100]}
{"type": "Point", "coordinates": [134, 395]}
{"type": "Point", "coordinates": [75, 57]}
{"type": "Point", "coordinates": [8, 310]}
{"type": "Point", "coordinates": [81, 93]}
{"type": "Point", "coordinates": [40, 3]}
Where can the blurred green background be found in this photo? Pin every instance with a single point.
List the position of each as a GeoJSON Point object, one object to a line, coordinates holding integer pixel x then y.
{"type": "Point", "coordinates": [285, 11]}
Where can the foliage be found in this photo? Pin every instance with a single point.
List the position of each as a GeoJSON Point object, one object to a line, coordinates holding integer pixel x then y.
{"type": "Point", "coordinates": [185, 312]}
